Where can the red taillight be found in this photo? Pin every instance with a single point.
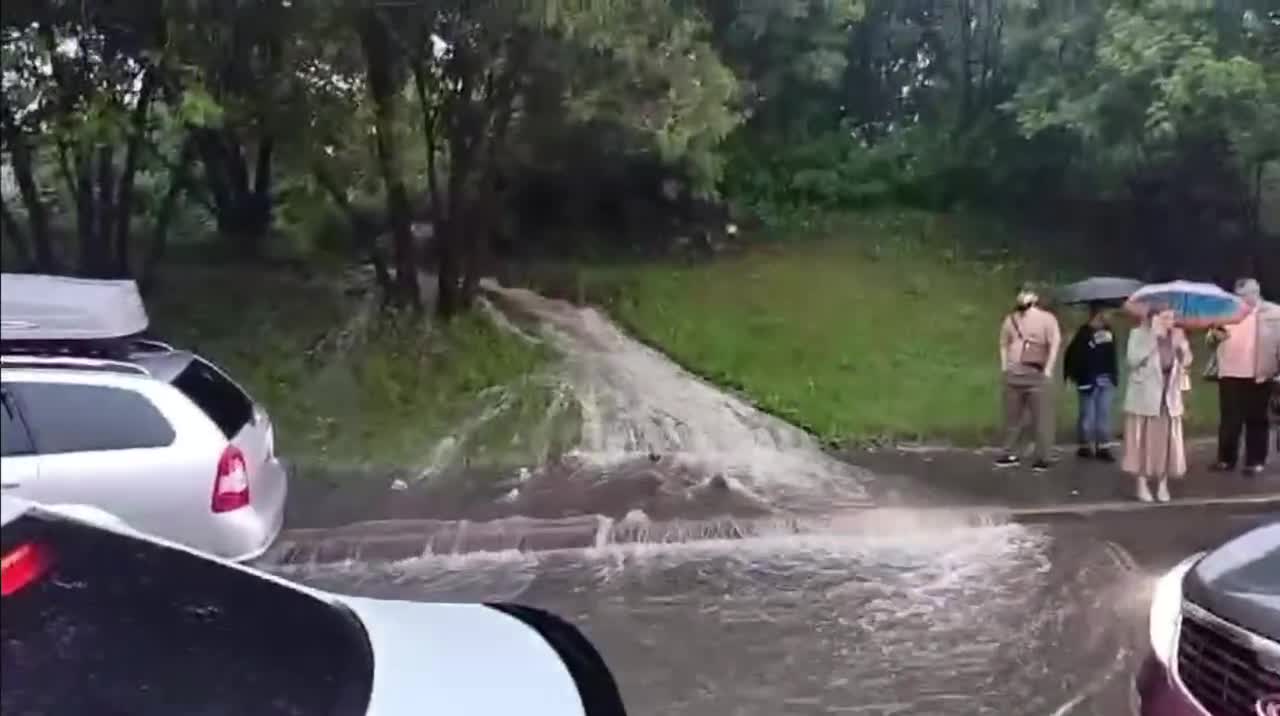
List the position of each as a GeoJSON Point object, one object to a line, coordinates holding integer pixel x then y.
{"type": "Point", "coordinates": [21, 567]}
{"type": "Point", "coordinates": [231, 486]}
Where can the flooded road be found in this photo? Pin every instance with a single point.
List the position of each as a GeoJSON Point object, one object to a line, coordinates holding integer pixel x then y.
{"type": "Point", "coordinates": [725, 565]}
{"type": "Point", "coordinates": [1006, 620]}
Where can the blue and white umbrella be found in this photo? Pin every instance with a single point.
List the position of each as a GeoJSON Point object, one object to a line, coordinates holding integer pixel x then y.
{"type": "Point", "coordinates": [1197, 305]}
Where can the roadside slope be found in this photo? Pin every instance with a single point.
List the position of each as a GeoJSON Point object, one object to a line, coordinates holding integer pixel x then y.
{"type": "Point", "coordinates": [876, 327]}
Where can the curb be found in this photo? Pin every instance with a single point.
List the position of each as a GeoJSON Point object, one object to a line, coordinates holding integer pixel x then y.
{"type": "Point", "coordinates": [1062, 448]}
{"type": "Point", "coordinates": [384, 541]}
{"type": "Point", "coordinates": [1261, 503]}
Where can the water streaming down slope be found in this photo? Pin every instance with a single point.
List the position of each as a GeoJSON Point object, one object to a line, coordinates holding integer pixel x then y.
{"type": "Point", "coordinates": [636, 402]}
{"type": "Point", "coordinates": [801, 608]}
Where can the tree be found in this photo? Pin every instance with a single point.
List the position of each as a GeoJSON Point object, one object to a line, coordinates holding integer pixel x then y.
{"type": "Point", "coordinates": [1164, 96]}
{"type": "Point", "coordinates": [78, 92]}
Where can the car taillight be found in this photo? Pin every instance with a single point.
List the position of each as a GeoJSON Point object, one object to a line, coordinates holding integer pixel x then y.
{"type": "Point", "coordinates": [21, 567]}
{"type": "Point", "coordinates": [231, 486]}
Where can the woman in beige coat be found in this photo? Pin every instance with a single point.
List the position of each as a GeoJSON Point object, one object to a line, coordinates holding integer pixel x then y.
{"type": "Point", "coordinates": [1158, 357]}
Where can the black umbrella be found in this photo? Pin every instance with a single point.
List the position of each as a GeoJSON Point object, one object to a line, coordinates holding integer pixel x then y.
{"type": "Point", "coordinates": [1099, 289]}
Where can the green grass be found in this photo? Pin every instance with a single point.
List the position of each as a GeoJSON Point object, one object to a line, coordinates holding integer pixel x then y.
{"type": "Point", "coordinates": [879, 326]}
{"type": "Point", "coordinates": [346, 385]}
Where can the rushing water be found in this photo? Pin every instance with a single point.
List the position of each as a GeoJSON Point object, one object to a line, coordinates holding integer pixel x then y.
{"type": "Point", "coordinates": [636, 402]}
{"type": "Point", "coordinates": [1003, 619]}
{"type": "Point", "coordinates": [762, 584]}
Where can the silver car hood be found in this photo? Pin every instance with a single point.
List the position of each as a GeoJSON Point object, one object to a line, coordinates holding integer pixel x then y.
{"type": "Point", "coordinates": [1240, 581]}
{"type": "Point", "coordinates": [463, 659]}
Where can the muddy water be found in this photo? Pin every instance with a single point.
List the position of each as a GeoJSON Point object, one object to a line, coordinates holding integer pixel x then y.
{"type": "Point", "coordinates": [636, 403]}
{"type": "Point", "coordinates": [1004, 620]}
{"type": "Point", "coordinates": [726, 565]}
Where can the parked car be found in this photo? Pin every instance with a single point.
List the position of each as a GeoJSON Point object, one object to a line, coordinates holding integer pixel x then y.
{"type": "Point", "coordinates": [99, 619]}
{"type": "Point", "coordinates": [91, 414]}
{"type": "Point", "coordinates": [1215, 633]}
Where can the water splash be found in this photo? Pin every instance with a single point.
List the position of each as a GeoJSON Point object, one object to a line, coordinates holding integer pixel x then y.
{"type": "Point", "coordinates": [497, 400]}
{"type": "Point", "coordinates": [932, 617]}
{"type": "Point", "coordinates": [634, 401]}
{"type": "Point", "coordinates": [396, 540]}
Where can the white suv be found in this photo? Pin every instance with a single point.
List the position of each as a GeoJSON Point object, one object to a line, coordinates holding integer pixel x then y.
{"type": "Point", "coordinates": [157, 436]}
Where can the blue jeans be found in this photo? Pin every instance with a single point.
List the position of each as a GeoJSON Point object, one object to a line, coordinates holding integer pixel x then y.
{"type": "Point", "coordinates": [1094, 426]}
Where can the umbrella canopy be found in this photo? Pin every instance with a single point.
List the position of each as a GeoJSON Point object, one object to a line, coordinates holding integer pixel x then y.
{"type": "Point", "coordinates": [1198, 305]}
{"type": "Point", "coordinates": [1099, 289]}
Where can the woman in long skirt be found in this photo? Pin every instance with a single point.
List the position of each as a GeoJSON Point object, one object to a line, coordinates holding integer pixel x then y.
{"type": "Point", "coordinates": [1159, 356]}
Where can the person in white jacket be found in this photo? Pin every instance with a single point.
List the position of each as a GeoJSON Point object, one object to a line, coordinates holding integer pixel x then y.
{"type": "Point", "coordinates": [1158, 357]}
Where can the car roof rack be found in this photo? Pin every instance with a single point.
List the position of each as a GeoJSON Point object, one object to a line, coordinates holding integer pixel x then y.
{"type": "Point", "coordinates": [40, 307]}
{"type": "Point", "coordinates": [71, 363]}
{"type": "Point", "coordinates": [118, 349]}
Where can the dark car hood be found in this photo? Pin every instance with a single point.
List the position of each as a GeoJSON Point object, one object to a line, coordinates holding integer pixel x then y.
{"type": "Point", "coordinates": [1240, 581]}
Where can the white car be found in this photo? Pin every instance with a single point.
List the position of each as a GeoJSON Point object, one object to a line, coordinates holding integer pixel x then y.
{"type": "Point", "coordinates": [92, 414]}
{"type": "Point", "coordinates": [100, 619]}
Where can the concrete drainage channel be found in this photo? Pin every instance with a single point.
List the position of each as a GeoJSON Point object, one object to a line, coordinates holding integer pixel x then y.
{"type": "Point", "coordinates": [396, 540]}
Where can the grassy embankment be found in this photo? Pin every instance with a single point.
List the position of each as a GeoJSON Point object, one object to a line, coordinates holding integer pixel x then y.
{"type": "Point", "coordinates": [347, 388]}
{"type": "Point", "coordinates": [869, 327]}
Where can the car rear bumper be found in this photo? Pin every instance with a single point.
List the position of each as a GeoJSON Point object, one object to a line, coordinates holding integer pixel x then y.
{"type": "Point", "coordinates": [1160, 694]}
{"type": "Point", "coordinates": [246, 533]}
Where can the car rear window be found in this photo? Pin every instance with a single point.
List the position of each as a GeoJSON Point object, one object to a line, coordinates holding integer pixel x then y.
{"type": "Point", "coordinates": [14, 438]}
{"type": "Point", "coordinates": [225, 404]}
{"type": "Point", "coordinates": [69, 417]}
{"type": "Point", "coordinates": [104, 623]}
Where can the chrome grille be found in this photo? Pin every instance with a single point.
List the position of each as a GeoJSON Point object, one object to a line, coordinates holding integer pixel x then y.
{"type": "Point", "coordinates": [1227, 669]}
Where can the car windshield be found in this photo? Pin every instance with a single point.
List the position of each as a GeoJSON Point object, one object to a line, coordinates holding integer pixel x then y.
{"type": "Point", "coordinates": [141, 628]}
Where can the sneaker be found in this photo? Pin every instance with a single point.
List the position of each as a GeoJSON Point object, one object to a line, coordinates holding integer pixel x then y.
{"type": "Point", "coordinates": [1084, 453]}
{"type": "Point", "coordinates": [1162, 491]}
{"type": "Point", "coordinates": [1253, 471]}
{"type": "Point", "coordinates": [1040, 465]}
{"type": "Point", "coordinates": [1105, 455]}
{"type": "Point", "coordinates": [1009, 461]}
{"type": "Point", "coordinates": [1222, 467]}
{"type": "Point", "coordinates": [1144, 491]}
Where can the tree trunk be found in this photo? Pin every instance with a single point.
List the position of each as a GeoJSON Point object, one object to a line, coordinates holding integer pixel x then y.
{"type": "Point", "coordinates": [243, 209]}
{"type": "Point", "coordinates": [17, 238]}
{"type": "Point", "coordinates": [429, 118]}
{"type": "Point", "coordinates": [179, 180]}
{"type": "Point", "coordinates": [37, 216]}
{"type": "Point", "coordinates": [966, 66]}
{"type": "Point", "coordinates": [448, 300]}
{"type": "Point", "coordinates": [258, 220]}
{"type": "Point", "coordinates": [124, 195]}
{"type": "Point", "coordinates": [104, 224]}
{"type": "Point", "coordinates": [361, 231]}
{"type": "Point", "coordinates": [84, 210]}
{"type": "Point", "coordinates": [383, 89]}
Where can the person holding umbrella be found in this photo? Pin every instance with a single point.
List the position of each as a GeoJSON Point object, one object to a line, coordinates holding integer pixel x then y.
{"type": "Point", "coordinates": [1091, 363]}
{"type": "Point", "coordinates": [1091, 360]}
{"type": "Point", "coordinates": [1248, 363]}
{"type": "Point", "coordinates": [1158, 357]}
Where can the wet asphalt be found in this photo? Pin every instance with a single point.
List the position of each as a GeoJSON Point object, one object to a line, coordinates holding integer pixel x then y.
{"type": "Point", "coordinates": [726, 565]}
{"type": "Point", "coordinates": [1046, 615]}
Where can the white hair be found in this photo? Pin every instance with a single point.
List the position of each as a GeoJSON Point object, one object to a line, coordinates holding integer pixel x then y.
{"type": "Point", "coordinates": [1248, 287]}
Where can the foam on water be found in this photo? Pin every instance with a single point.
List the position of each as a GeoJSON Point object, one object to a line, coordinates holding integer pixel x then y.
{"type": "Point", "coordinates": [635, 401]}
{"type": "Point", "coordinates": [1001, 619]}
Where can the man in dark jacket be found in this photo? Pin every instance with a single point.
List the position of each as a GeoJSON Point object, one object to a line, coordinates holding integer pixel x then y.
{"type": "Point", "coordinates": [1091, 363]}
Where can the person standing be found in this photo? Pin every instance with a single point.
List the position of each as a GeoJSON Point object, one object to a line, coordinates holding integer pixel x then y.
{"type": "Point", "coordinates": [1029, 342]}
{"type": "Point", "coordinates": [1248, 355]}
{"type": "Point", "coordinates": [1158, 357]}
{"type": "Point", "coordinates": [1092, 364]}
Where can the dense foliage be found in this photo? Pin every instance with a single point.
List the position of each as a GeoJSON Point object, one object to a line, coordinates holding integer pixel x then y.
{"type": "Point", "coordinates": [437, 133]}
